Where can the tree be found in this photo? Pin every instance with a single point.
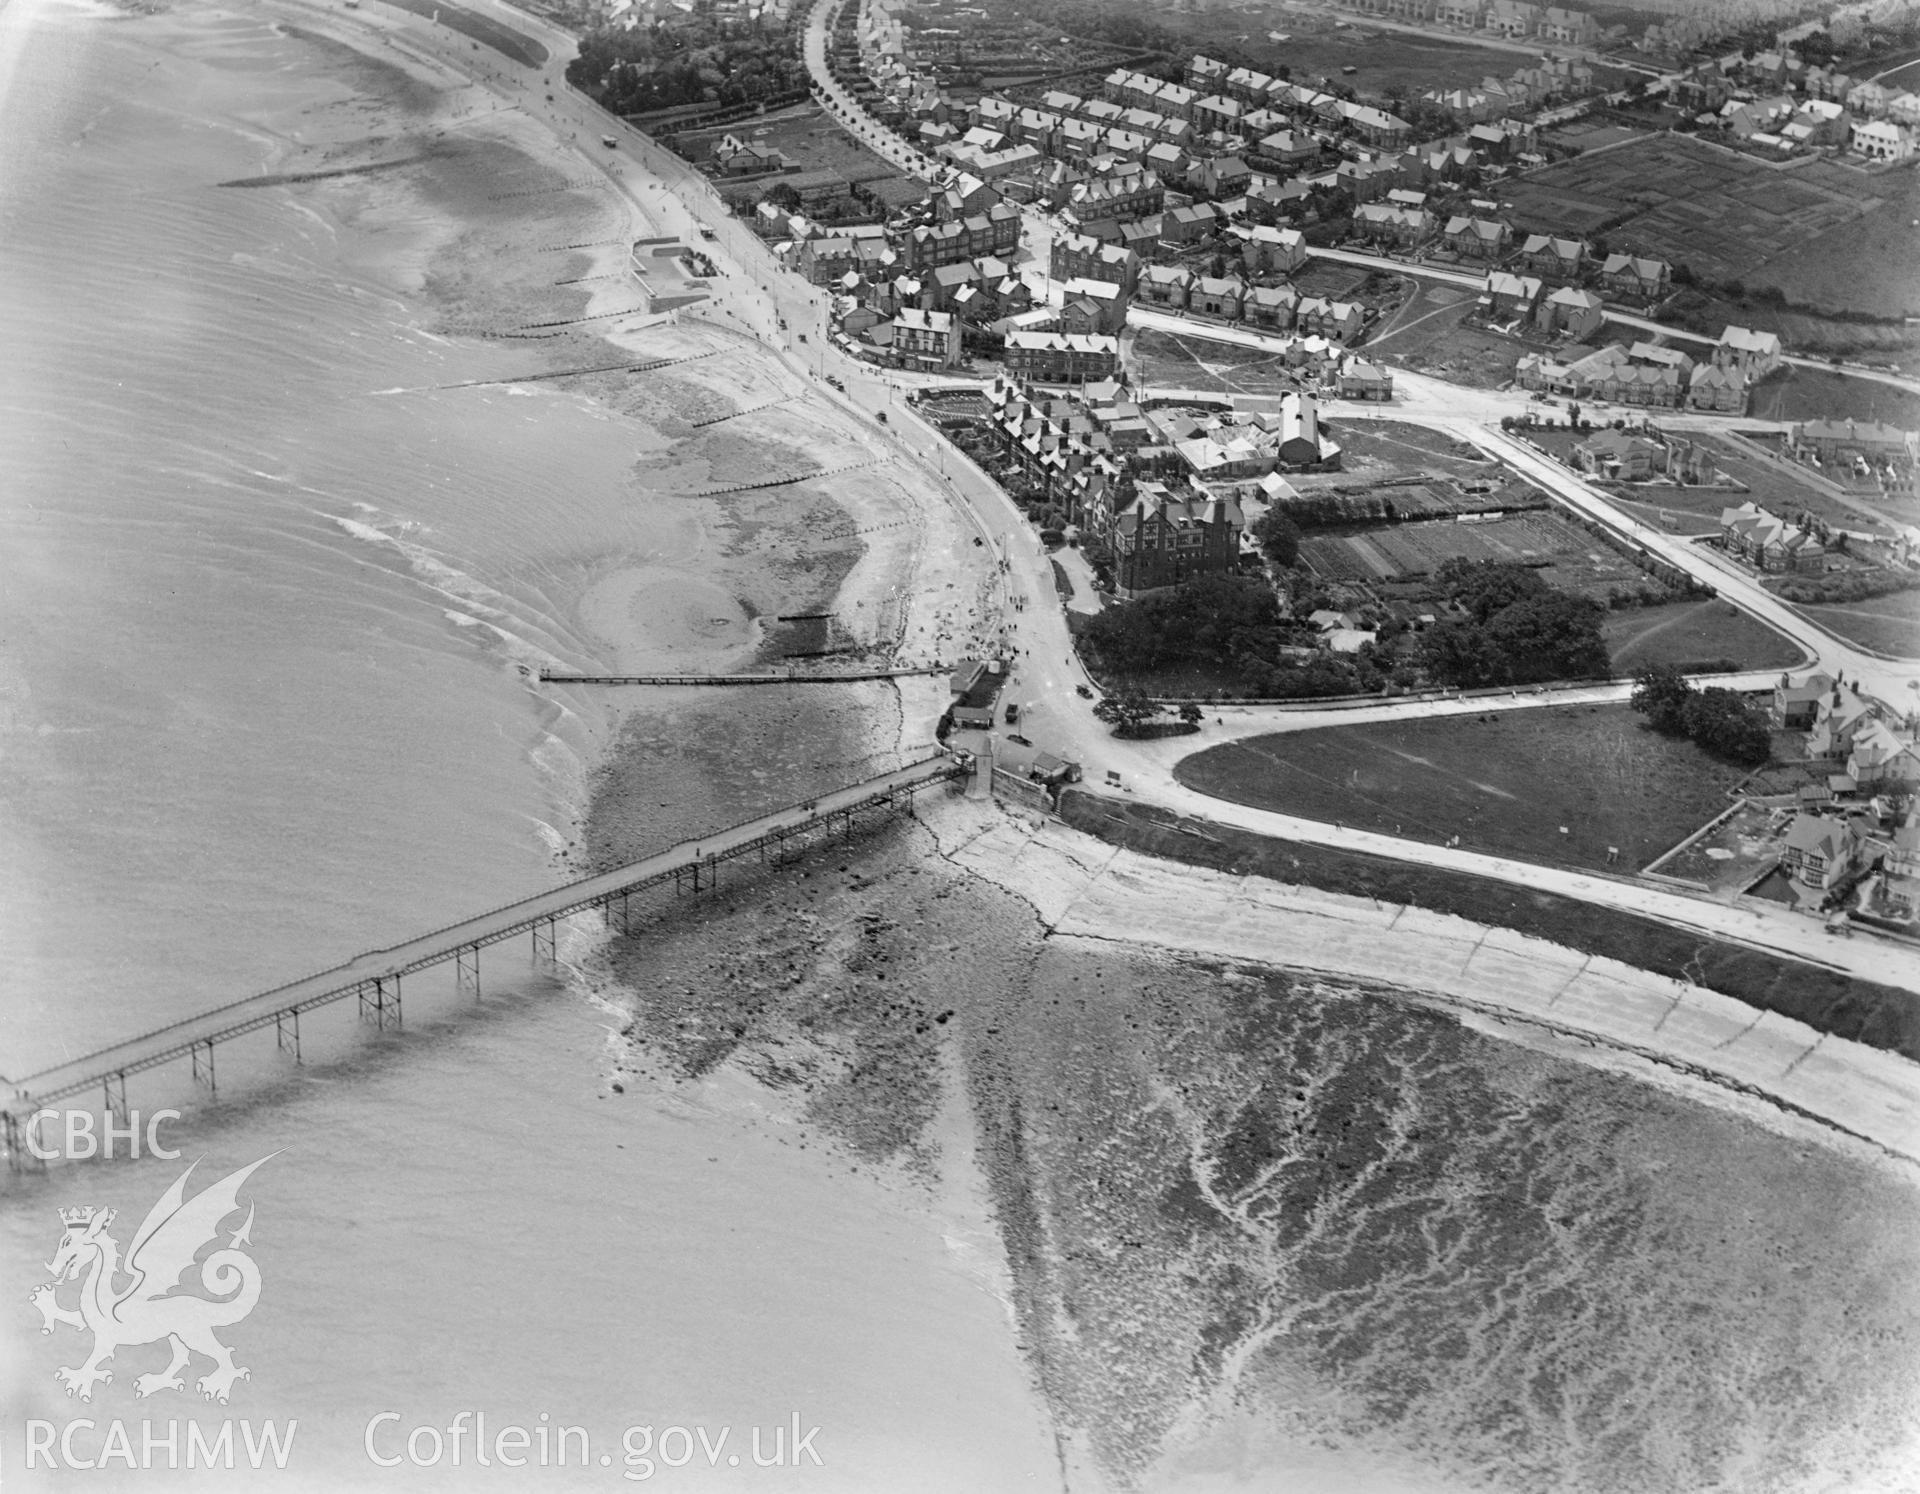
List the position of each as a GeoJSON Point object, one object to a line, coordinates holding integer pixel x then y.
{"type": "Point", "coordinates": [1279, 538]}
{"type": "Point", "coordinates": [1661, 693]}
{"type": "Point", "coordinates": [1483, 587]}
{"type": "Point", "coordinates": [1191, 714]}
{"type": "Point", "coordinates": [1127, 712]}
{"type": "Point", "coordinates": [1727, 725]}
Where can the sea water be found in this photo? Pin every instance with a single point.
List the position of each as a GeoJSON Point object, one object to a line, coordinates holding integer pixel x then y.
{"type": "Point", "coordinates": [272, 593]}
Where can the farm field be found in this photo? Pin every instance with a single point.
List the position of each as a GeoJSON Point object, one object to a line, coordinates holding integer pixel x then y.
{"type": "Point", "coordinates": [1721, 214]}
{"type": "Point", "coordinates": [1866, 264]}
{"type": "Point", "coordinates": [1505, 781]}
{"type": "Point", "coordinates": [1577, 561]}
{"type": "Point", "coordinates": [1887, 625]}
{"type": "Point", "coordinates": [1689, 635]}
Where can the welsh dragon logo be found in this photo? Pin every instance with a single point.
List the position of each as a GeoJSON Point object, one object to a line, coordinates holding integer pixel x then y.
{"type": "Point", "coordinates": [145, 1310]}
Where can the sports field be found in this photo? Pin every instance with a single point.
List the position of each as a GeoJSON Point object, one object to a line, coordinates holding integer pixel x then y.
{"type": "Point", "coordinates": [1505, 781]}
{"type": "Point", "coordinates": [1574, 560]}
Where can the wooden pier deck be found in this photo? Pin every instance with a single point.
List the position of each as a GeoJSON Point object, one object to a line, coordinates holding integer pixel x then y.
{"type": "Point", "coordinates": [374, 977]}
{"type": "Point", "coordinates": [789, 677]}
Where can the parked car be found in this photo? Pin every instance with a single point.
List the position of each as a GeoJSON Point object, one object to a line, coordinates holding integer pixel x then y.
{"type": "Point", "coordinates": [1016, 737]}
{"type": "Point", "coordinates": [1013, 711]}
{"type": "Point", "coordinates": [1083, 692]}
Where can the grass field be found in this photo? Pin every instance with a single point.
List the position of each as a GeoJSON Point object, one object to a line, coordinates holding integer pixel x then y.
{"type": "Point", "coordinates": [1505, 782]}
{"type": "Point", "coordinates": [1693, 633]}
{"type": "Point", "coordinates": [1373, 448]}
{"type": "Point", "coordinates": [1887, 625]}
{"type": "Point", "coordinates": [1820, 394]}
{"type": "Point", "coordinates": [1438, 344]}
{"type": "Point", "coordinates": [1828, 1000]}
{"type": "Point", "coordinates": [1776, 489]}
{"type": "Point", "coordinates": [1722, 214]}
{"type": "Point", "coordinates": [1316, 50]}
{"type": "Point", "coordinates": [1167, 360]}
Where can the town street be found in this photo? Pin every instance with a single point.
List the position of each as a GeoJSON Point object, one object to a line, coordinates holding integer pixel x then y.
{"type": "Point", "coordinates": [755, 295]}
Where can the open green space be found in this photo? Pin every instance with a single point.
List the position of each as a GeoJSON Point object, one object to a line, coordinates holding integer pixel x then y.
{"type": "Point", "coordinates": [1168, 360]}
{"type": "Point", "coordinates": [1442, 345]}
{"type": "Point", "coordinates": [1887, 625]}
{"type": "Point", "coordinates": [1822, 394]}
{"type": "Point", "coordinates": [1318, 47]}
{"type": "Point", "coordinates": [1370, 447]}
{"type": "Point", "coordinates": [1695, 636]}
{"type": "Point", "coordinates": [1827, 1000]}
{"type": "Point", "coordinates": [1506, 782]}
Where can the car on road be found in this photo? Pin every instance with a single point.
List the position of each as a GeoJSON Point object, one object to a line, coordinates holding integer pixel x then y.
{"type": "Point", "coordinates": [1083, 692]}
{"type": "Point", "coordinates": [834, 380]}
{"type": "Point", "coordinates": [609, 142]}
{"type": "Point", "coordinates": [1016, 737]}
{"type": "Point", "coordinates": [1013, 711]}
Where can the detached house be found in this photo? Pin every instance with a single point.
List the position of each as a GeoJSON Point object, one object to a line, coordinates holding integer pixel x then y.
{"type": "Point", "coordinates": [1510, 295]}
{"type": "Point", "coordinates": [1574, 313]}
{"type": "Point", "coordinates": [1634, 279]}
{"type": "Point", "coordinates": [1166, 285]}
{"type": "Point", "coordinates": [1404, 227]}
{"type": "Point", "coordinates": [1822, 850]}
{"type": "Point", "coordinates": [1880, 756]}
{"type": "Point", "coordinates": [1477, 238]}
{"type": "Point", "coordinates": [1768, 542]}
{"type": "Point", "coordinates": [1796, 702]}
{"type": "Point", "coordinates": [1755, 354]}
{"type": "Point", "coordinates": [1552, 258]}
{"type": "Point", "coordinates": [1272, 307]}
{"type": "Point", "coordinates": [1837, 721]}
{"type": "Point", "coordinates": [1276, 251]}
{"type": "Point", "coordinates": [1222, 297]}
{"type": "Point", "coordinates": [1715, 386]}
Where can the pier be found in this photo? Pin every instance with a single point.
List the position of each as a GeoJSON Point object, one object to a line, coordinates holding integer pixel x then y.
{"type": "Point", "coordinates": [818, 677]}
{"type": "Point", "coordinates": [373, 979]}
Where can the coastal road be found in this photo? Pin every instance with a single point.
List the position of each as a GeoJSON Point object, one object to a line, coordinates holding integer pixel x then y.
{"type": "Point", "coordinates": [1045, 670]}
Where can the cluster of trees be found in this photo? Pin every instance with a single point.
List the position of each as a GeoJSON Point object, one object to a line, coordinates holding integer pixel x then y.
{"type": "Point", "coordinates": [1518, 630]}
{"type": "Point", "coordinates": [1131, 712]}
{"type": "Point", "coordinates": [1722, 722]}
{"type": "Point", "coordinates": [1278, 538]}
{"type": "Point", "coordinates": [1223, 625]}
{"type": "Point", "coordinates": [695, 61]}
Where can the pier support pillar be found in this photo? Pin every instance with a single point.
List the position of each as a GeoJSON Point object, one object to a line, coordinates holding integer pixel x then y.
{"type": "Point", "coordinates": [116, 1096]}
{"type": "Point", "coordinates": [466, 971]}
{"type": "Point", "coordinates": [380, 997]}
{"type": "Point", "coordinates": [286, 1032]}
{"type": "Point", "coordinates": [545, 956]}
{"type": "Point", "coordinates": [13, 1134]}
{"type": "Point", "coordinates": [203, 1066]}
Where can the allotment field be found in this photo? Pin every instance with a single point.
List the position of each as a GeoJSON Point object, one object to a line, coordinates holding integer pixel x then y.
{"type": "Point", "coordinates": [1504, 782]}
{"type": "Point", "coordinates": [1731, 217]}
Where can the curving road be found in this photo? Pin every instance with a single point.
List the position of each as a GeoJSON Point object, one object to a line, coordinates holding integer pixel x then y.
{"type": "Point", "coordinates": [755, 297]}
